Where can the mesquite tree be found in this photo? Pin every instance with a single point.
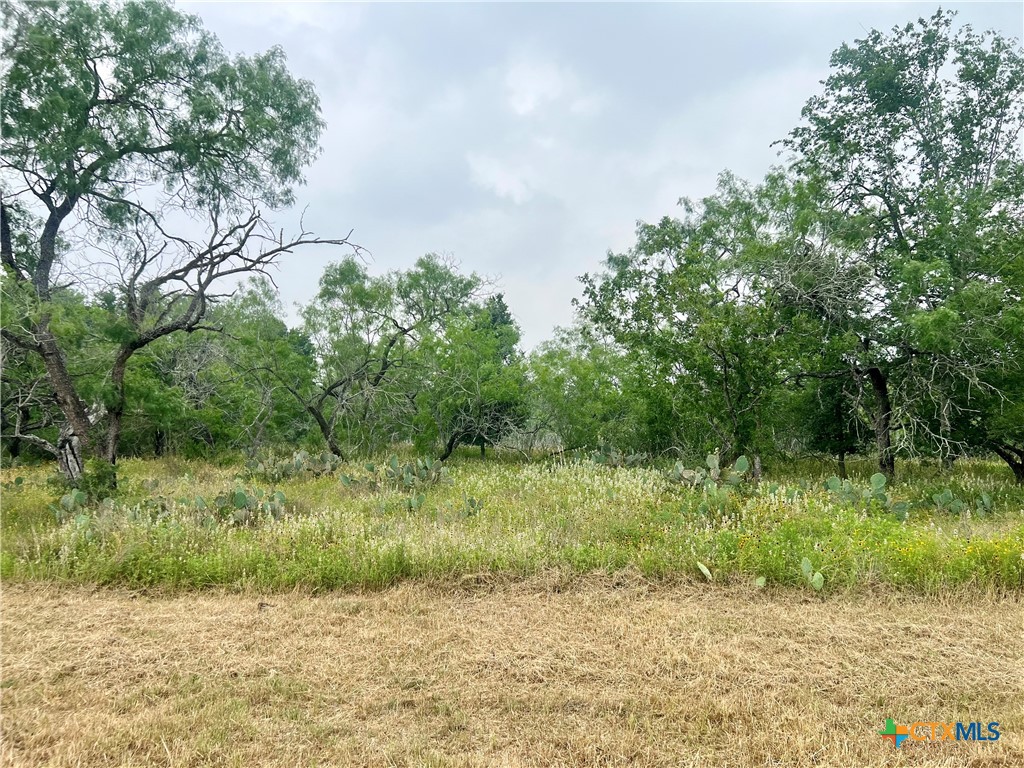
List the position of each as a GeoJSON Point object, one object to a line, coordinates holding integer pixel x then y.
{"type": "Point", "coordinates": [704, 328]}
{"type": "Point", "coordinates": [476, 390]}
{"type": "Point", "coordinates": [913, 150]}
{"type": "Point", "coordinates": [145, 153]}
{"type": "Point", "coordinates": [365, 330]}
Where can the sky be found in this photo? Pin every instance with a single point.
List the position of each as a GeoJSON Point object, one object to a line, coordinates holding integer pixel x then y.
{"type": "Point", "coordinates": [527, 140]}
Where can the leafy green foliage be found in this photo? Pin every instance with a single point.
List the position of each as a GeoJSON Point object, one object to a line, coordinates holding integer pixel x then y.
{"type": "Point", "coordinates": [373, 338]}
{"type": "Point", "coordinates": [911, 174]}
{"type": "Point", "coordinates": [98, 482]}
{"type": "Point", "coordinates": [120, 119]}
{"type": "Point", "coordinates": [813, 578]}
{"type": "Point", "coordinates": [95, 93]}
{"type": "Point", "coordinates": [478, 392]}
{"type": "Point", "coordinates": [873, 286]}
{"type": "Point", "coordinates": [585, 392]}
{"type": "Point", "coordinates": [99, 479]}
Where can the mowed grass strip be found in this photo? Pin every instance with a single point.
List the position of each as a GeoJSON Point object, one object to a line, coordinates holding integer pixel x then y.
{"type": "Point", "coordinates": [520, 675]}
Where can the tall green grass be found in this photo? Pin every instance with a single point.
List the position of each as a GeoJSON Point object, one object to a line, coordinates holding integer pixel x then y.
{"type": "Point", "coordinates": [511, 519]}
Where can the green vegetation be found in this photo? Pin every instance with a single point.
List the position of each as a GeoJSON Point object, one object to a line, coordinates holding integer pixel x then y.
{"type": "Point", "coordinates": [801, 388]}
{"type": "Point", "coordinates": [864, 299]}
{"type": "Point", "coordinates": [187, 524]}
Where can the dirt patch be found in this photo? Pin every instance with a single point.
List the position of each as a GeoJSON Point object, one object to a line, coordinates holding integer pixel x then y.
{"type": "Point", "coordinates": [511, 676]}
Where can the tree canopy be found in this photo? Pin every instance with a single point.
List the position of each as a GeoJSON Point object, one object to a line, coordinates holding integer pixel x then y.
{"type": "Point", "coordinates": [864, 295]}
{"type": "Point", "coordinates": [130, 127]}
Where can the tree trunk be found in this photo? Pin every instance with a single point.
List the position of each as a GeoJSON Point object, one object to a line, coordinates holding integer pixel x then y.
{"type": "Point", "coordinates": [757, 468]}
{"type": "Point", "coordinates": [14, 445]}
{"type": "Point", "coordinates": [449, 447]}
{"type": "Point", "coordinates": [483, 449]}
{"type": "Point", "coordinates": [70, 403]}
{"type": "Point", "coordinates": [69, 454]}
{"type": "Point", "coordinates": [73, 442]}
{"type": "Point", "coordinates": [116, 413]}
{"type": "Point", "coordinates": [325, 429]}
{"type": "Point", "coordinates": [114, 433]}
{"type": "Point", "coordinates": [1014, 457]}
{"type": "Point", "coordinates": [842, 465]}
{"type": "Point", "coordinates": [6, 241]}
{"type": "Point", "coordinates": [883, 422]}
{"type": "Point", "coordinates": [159, 442]}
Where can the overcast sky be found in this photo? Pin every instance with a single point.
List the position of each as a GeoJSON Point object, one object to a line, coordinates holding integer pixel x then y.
{"type": "Point", "coordinates": [526, 140]}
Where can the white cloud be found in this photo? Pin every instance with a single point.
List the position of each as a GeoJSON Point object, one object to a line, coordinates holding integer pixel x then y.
{"type": "Point", "coordinates": [533, 82]}
{"type": "Point", "coordinates": [501, 177]}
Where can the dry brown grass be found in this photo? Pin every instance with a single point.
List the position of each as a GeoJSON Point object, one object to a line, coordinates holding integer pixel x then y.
{"type": "Point", "coordinates": [513, 676]}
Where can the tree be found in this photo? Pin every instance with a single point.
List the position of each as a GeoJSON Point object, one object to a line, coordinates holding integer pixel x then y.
{"type": "Point", "coordinates": [912, 154]}
{"type": "Point", "coordinates": [506, 414]}
{"type": "Point", "coordinates": [586, 391]}
{"type": "Point", "coordinates": [826, 410]}
{"type": "Point", "coordinates": [211, 391]}
{"type": "Point", "coordinates": [27, 412]}
{"type": "Point", "coordinates": [128, 126]}
{"type": "Point", "coordinates": [365, 331]}
{"type": "Point", "coordinates": [992, 420]}
{"type": "Point", "coordinates": [475, 388]}
{"type": "Point", "coordinates": [703, 327]}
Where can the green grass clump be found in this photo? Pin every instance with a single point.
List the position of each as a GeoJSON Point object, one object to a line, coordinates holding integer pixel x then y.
{"type": "Point", "coordinates": [176, 524]}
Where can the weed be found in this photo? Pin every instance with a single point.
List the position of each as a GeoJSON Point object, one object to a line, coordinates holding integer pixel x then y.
{"type": "Point", "coordinates": [187, 524]}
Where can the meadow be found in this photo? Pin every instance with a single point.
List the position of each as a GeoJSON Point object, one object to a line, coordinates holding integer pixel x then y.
{"type": "Point", "coordinates": [178, 524]}
{"type": "Point", "coordinates": [508, 612]}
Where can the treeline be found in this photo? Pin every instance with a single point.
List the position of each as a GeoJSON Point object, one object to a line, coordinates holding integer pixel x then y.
{"type": "Point", "coordinates": [866, 296]}
{"type": "Point", "coordinates": [426, 355]}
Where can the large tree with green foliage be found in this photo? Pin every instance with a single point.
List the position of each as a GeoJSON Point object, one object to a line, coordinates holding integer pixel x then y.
{"type": "Point", "coordinates": [210, 392]}
{"type": "Point", "coordinates": [129, 126]}
{"type": "Point", "coordinates": [586, 391]}
{"type": "Point", "coordinates": [365, 332]}
{"type": "Point", "coordinates": [475, 389]}
{"type": "Point", "coordinates": [912, 158]}
{"type": "Point", "coordinates": [706, 331]}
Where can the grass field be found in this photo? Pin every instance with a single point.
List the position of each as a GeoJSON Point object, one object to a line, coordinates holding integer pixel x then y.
{"type": "Point", "coordinates": [604, 674]}
{"type": "Point", "coordinates": [175, 524]}
{"type": "Point", "coordinates": [510, 614]}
